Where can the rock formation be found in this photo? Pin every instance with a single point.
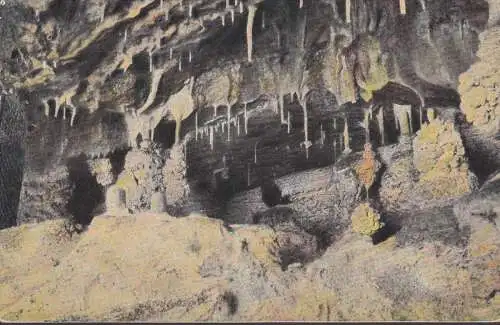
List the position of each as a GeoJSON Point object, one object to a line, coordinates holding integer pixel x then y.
{"type": "Point", "coordinates": [131, 126]}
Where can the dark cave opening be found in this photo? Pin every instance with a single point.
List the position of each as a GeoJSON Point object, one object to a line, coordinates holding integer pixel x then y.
{"type": "Point", "coordinates": [87, 194]}
{"type": "Point", "coordinates": [164, 133]}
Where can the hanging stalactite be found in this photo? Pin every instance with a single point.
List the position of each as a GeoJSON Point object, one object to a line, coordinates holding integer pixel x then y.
{"type": "Point", "coordinates": [211, 137]}
{"type": "Point", "coordinates": [347, 137]}
{"type": "Point", "coordinates": [348, 11]}
{"type": "Point", "coordinates": [301, 4]}
{"type": "Point", "coordinates": [228, 123]}
{"type": "Point", "coordinates": [245, 115]}
{"type": "Point", "coordinates": [237, 125]}
{"type": "Point", "coordinates": [252, 9]}
{"type": "Point", "coordinates": [366, 125]}
{"type": "Point", "coordinates": [402, 7]}
{"type": "Point", "coordinates": [380, 119]}
{"type": "Point", "coordinates": [196, 124]}
{"type": "Point", "coordinates": [289, 122]}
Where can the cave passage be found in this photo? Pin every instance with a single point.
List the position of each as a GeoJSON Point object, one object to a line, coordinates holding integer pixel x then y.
{"type": "Point", "coordinates": [87, 194]}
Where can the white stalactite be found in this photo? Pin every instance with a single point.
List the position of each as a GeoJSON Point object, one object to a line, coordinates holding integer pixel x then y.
{"type": "Point", "coordinates": [171, 53]}
{"type": "Point", "coordinates": [347, 141]}
{"type": "Point", "coordinates": [58, 105]}
{"type": "Point", "coordinates": [263, 20]}
{"type": "Point", "coordinates": [180, 63]}
{"type": "Point", "coordinates": [196, 124]}
{"type": "Point", "coordinates": [64, 112]}
{"type": "Point", "coordinates": [323, 135]}
{"type": "Point", "coordinates": [301, 4]}
{"type": "Point", "coordinates": [248, 176]}
{"type": "Point", "coordinates": [255, 153]}
{"type": "Point", "coordinates": [245, 115]}
{"type": "Point", "coordinates": [161, 4]}
{"type": "Point", "coordinates": [242, 8]}
{"type": "Point", "coordinates": [227, 4]}
{"type": "Point", "coordinates": [410, 119]}
{"type": "Point", "coordinates": [281, 104]}
{"type": "Point", "coordinates": [190, 56]}
{"type": "Point", "coordinates": [380, 118]}
{"type": "Point", "coordinates": [223, 19]}
{"type": "Point", "coordinates": [73, 115]}
{"type": "Point", "coordinates": [228, 123]}
{"type": "Point", "coordinates": [335, 123]}
{"type": "Point", "coordinates": [37, 15]}
{"type": "Point", "coordinates": [252, 9]}
{"type": "Point", "coordinates": [190, 10]}
{"type": "Point", "coordinates": [420, 116]}
{"type": "Point", "coordinates": [215, 111]}
{"type": "Point", "coordinates": [44, 62]}
{"type": "Point", "coordinates": [212, 137]}
{"type": "Point", "coordinates": [232, 16]}
{"type": "Point", "coordinates": [45, 105]}
{"type": "Point", "coordinates": [150, 52]}
{"type": "Point", "coordinates": [402, 7]}
{"type": "Point", "coordinates": [348, 11]}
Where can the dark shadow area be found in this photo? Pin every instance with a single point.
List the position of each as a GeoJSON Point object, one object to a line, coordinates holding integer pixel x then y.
{"type": "Point", "coordinates": [389, 230]}
{"type": "Point", "coordinates": [164, 133]}
{"type": "Point", "coordinates": [87, 193]}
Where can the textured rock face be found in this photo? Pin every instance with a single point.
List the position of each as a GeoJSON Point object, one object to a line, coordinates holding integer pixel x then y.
{"type": "Point", "coordinates": [174, 175]}
{"type": "Point", "coordinates": [439, 157]}
{"type": "Point", "coordinates": [366, 220]}
{"type": "Point", "coordinates": [45, 196]}
{"type": "Point", "coordinates": [212, 273]}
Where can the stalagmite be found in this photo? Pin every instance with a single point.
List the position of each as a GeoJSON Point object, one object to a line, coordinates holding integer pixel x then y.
{"type": "Point", "coordinates": [245, 116]}
{"type": "Point", "coordinates": [158, 202]}
{"type": "Point", "coordinates": [431, 114]}
{"type": "Point", "coordinates": [402, 6]}
{"type": "Point", "coordinates": [380, 118]}
{"type": "Point", "coordinates": [228, 123]}
{"type": "Point", "coordinates": [196, 124]}
{"type": "Point", "coordinates": [250, 20]}
{"type": "Point", "coordinates": [347, 140]}
{"type": "Point", "coordinates": [403, 119]}
{"type": "Point", "coordinates": [348, 11]}
{"type": "Point", "coordinates": [116, 202]}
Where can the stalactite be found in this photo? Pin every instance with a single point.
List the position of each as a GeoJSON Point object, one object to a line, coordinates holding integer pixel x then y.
{"type": "Point", "coordinates": [161, 4]}
{"type": "Point", "coordinates": [335, 123]}
{"type": "Point", "coordinates": [246, 118]}
{"type": "Point", "coordinates": [125, 35]}
{"type": "Point", "coordinates": [190, 56]}
{"type": "Point", "coordinates": [190, 10]}
{"type": "Point", "coordinates": [380, 118]}
{"type": "Point", "coordinates": [289, 122]}
{"type": "Point", "coordinates": [366, 125]}
{"type": "Point", "coordinates": [57, 107]}
{"type": "Point", "coordinates": [238, 124]}
{"type": "Point", "coordinates": [248, 175]}
{"type": "Point", "coordinates": [227, 4]}
{"type": "Point", "coordinates": [223, 19]}
{"type": "Point", "coordinates": [323, 135]}
{"type": "Point", "coordinates": [64, 112]}
{"type": "Point", "coordinates": [212, 137]}
{"type": "Point", "coordinates": [73, 115]}
{"type": "Point", "coordinates": [178, 131]}
{"type": "Point", "coordinates": [250, 20]}
{"type": "Point", "coordinates": [150, 52]}
{"type": "Point", "coordinates": [228, 123]}
{"type": "Point", "coordinates": [301, 4]}
{"type": "Point", "coordinates": [37, 16]}
{"type": "Point", "coordinates": [334, 148]}
{"type": "Point", "coordinates": [171, 53]}
{"type": "Point", "coordinates": [255, 153]}
{"type": "Point", "coordinates": [348, 11]}
{"type": "Point", "coordinates": [402, 6]}
{"type": "Point", "coordinates": [420, 116]}
{"type": "Point", "coordinates": [180, 63]}
{"type": "Point", "coordinates": [410, 118]}
{"type": "Point", "coordinates": [402, 118]}
{"type": "Point", "coordinates": [242, 8]}
{"type": "Point", "coordinates": [263, 20]}
{"type": "Point", "coordinates": [215, 111]}
{"type": "Point", "coordinates": [196, 124]}
{"type": "Point", "coordinates": [347, 141]}
{"type": "Point", "coordinates": [232, 16]}
{"type": "Point", "coordinates": [46, 106]}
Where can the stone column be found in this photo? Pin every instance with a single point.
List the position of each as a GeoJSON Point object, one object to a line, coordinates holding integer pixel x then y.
{"type": "Point", "coordinates": [116, 201]}
{"type": "Point", "coordinates": [401, 112]}
{"type": "Point", "coordinates": [158, 202]}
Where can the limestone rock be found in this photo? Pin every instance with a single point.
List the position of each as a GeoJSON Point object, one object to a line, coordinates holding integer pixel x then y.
{"type": "Point", "coordinates": [439, 157]}
{"type": "Point", "coordinates": [102, 170]}
{"type": "Point", "coordinates": [365, 220]}
{"type": "Point", "coordinates": [174, 176]}
{"type": "Point", "coordinates": [116, 200]}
